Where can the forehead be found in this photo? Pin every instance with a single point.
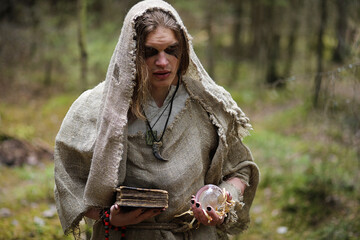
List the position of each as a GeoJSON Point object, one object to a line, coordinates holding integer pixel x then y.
{"type": "Point", "coordinates": [161, 37]}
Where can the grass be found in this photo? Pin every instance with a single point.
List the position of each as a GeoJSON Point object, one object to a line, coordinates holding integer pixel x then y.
{"type": "Point", "coordinates": [307, 157]}
{"type": "Point", "coordinates": [308, 177]}
{"type": "Point", "coordinates": [309, 165]}
{"type": "Point", "coordinates": [27, 192]}
{"type": "Point", "coordinates": [35, 119]}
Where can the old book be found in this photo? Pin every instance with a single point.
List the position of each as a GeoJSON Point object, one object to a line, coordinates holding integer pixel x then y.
{"type": "Point", "coordinates": [141, 197]}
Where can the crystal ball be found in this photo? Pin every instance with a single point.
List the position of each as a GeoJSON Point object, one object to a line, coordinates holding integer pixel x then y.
{"type": "Point", "coordinates": [210, 195]}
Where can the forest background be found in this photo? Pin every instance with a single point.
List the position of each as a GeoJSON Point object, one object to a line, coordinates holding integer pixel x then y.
{"type": "Point", "coordinates": [291, 65]}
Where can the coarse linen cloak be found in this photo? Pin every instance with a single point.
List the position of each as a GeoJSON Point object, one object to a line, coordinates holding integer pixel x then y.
{"type": "Point", "coordinates": [91, 146]}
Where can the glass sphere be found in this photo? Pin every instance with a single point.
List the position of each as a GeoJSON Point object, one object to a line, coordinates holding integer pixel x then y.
{"type": "Point", "coordinates": [211, 195]}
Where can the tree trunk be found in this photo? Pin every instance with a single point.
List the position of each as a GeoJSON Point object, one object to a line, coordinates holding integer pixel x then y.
{"type": "Point", "coordinates": [257, 32]}
{"type": "Point", "coordinates": [34, 19]}
{"type": "Point", "coordinates": [210, 45]}
{"type": "Point", "coordinates": [236, 45]}
{"type": "Point", "coordinates": [82, 43]}
{"type": "Point", "coordinates": [273, 46]}
{"type": "Point", "coordinates": [339, 53]}
{"type": "Point", "coordinates": [48, 72]}
{"type": "Point", "coordinates": [272, 75]}
{"type": "Point", "coordinates": [320, 52]}
{"type": "Point", "coordinates": [294, 27]}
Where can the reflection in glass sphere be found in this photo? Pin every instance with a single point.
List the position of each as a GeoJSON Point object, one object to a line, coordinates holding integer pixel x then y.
{"type": "Point", "coordinates": [211, 195]}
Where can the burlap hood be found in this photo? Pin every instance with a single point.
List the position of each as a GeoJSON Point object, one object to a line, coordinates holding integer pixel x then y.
{"type": "Point", "coordinates": [94, 132]}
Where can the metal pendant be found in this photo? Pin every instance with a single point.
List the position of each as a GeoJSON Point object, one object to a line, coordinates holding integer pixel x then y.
{"type": "Point", "coordinates": [156, 150]}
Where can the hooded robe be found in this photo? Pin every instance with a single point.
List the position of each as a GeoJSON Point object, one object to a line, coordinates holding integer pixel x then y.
{"type": "Point", "coordinates": [92, 146]}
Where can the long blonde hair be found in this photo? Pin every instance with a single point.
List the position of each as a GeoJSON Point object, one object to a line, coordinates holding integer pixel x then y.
{"type": "Point", "coordinates": [144, 25]}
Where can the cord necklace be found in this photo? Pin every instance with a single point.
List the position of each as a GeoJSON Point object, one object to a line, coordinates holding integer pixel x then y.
{"type": "Point", "coordinates": [151, 136]}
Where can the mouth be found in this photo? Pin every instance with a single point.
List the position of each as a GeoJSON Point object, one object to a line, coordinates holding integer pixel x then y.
{"type": "Point", "coordinates": [162, 74]}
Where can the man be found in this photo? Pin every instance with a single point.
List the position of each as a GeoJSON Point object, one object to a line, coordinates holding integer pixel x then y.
{"type": "Point", "coordinates": [158, 121]}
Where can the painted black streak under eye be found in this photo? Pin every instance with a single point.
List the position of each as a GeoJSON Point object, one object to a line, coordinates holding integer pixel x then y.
{"type": "Point", "coordinates": [172, 50]}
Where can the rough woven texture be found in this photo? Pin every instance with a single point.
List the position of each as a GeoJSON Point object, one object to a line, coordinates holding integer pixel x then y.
{"type": "Point", "coordinates": [91, 149]}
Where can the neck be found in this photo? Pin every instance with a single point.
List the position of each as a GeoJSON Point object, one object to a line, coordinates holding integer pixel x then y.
{"type": "Point", "coordinates": [159, 94]}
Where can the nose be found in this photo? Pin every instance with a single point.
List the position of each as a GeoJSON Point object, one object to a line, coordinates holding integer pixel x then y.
{"type": "Point", "coordinates": [161, 60]}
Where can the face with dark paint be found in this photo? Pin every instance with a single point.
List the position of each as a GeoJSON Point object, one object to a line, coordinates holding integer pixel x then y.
{"type": "Point", "coordinates": [162, 53]}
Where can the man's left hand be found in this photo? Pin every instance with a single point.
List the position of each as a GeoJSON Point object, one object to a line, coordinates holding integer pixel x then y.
{"type": "Point", "coordinates": [199, 213]}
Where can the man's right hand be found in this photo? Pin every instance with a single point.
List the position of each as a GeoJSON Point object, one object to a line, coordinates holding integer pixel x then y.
{"type": "Point", "coordinates": [120, 219]}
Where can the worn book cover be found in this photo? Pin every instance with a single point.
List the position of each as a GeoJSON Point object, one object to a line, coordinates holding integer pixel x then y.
{"type": "Point", "coordinates": [141, 197]}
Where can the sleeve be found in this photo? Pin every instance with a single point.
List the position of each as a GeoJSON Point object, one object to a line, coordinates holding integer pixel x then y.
{"type": "Point", "coordinates": [236, 163]}
{"type": "Point", "coordinates": [239, 163]}
{"type": "Point", "coordinates": [72, 157]}
{"type": "Point", "coordinates": [70, 180]}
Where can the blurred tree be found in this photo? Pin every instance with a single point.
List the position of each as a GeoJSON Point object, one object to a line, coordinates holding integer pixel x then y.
{"type": "Point", "coordinates": [257, 28]}
{"type": "Point", "coordinates": [236, 43]}
{"type": "Point", "coordinates": [292, 39]}
{"type": "Point", "coordinates": [320, 50]}
{"type": "Point", "coordinates": [34, 24]}
{"type": "Point", "coordinates": [273, 27]}
{"type": "Point", "coordinates": [7, 11]}
{"type": "Point", "coordinates": [18, 25]}
{"type": "Point", "coordinates": [247, 31]}
{"type": "Point", "coordinates": [340, 51]}
{"type": "Point", "coordinates": [82, 43]}
{"type": "Point", "coordinates": [209, 23]}
{"type": "Point", "coordinates": [97, 6]}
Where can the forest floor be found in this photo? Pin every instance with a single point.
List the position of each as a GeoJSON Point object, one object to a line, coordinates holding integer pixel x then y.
{"type": "Point", "coordinates": [308, 184]}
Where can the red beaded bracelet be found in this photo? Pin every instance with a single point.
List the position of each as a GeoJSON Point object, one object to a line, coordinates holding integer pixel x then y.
{"type": "Point", "coordinates": [105, 217]}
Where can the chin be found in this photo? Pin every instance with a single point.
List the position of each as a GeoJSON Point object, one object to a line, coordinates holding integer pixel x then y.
{"type": "Point", "coordinates": [161, 83]}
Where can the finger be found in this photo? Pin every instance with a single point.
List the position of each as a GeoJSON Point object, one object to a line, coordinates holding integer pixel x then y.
{"type": "Point", "coordinates": [205, 218]}
{"type": "Point", "coordinates": [136, 213]}
{"type": "Point", "coordinates": [194, 205]}
{"type": "Point", "coordinates": [114, 215]}
{"type": "Point", "coordinates": [199, 214]}
{"type": "Point", "coordinates": [229, 197]}
{"type": "Point", "coordinates": [148, 213]}
{"type": "Point", "coordinates": [117, 207]}
{"type": "Point", "coordinates": [114, 209]}
{"type": "Point", "coordinates": [193, 200]}
{"type": "Point", "coordinates": [216, 219]}
{"type": "Point", "coordinates": [132, 217]}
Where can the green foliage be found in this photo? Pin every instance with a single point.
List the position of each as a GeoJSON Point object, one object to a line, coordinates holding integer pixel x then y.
{"type": "Point", "coordinates": [339, 229]}
{"type": "Point", "coordinates": [308, 160]}
{"type": "Point", "coordinates": [56, 104]}
{"type": "Point", "coordinates": [311, 201]}
{"type": "Point", "coordinates": [308, 175]}
{"type": "Point", "coordinates": [12, 123]}
{"type": "Point", "coordinates": [27, 192]}
{"type": "Point", "coordinates": [36, 185]}
{"type": "Point", "coordinates": [35, 119]}
{"type": "Point", "coordinates": [101, 45]}
{"type": "Point", "coordinates": [308, 180]}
